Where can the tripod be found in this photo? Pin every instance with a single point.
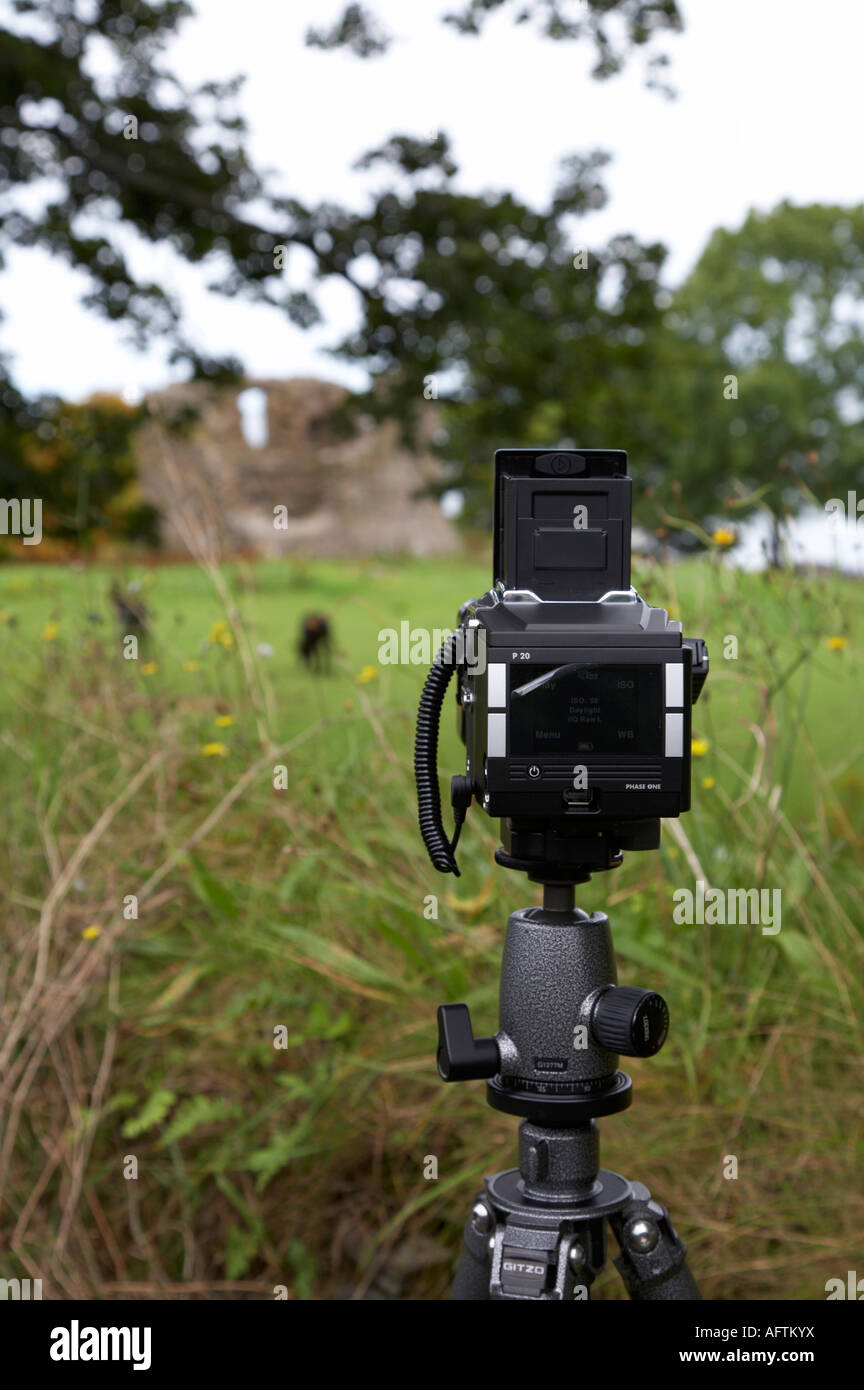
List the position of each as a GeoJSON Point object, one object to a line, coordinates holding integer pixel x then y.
{"type": "Point", "coordinates": [538, 1232]}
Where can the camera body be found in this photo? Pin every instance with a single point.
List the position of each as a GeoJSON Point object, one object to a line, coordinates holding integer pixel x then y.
{"type": "Point", "coordinates": [574, 694]}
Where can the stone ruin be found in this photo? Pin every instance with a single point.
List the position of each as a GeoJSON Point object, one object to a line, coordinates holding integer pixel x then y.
{"type": "Point", "coordinates": [334, 496]}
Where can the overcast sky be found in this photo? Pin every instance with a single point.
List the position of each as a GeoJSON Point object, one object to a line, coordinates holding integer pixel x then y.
{"type": "Point", "coordinates": [769, 107]}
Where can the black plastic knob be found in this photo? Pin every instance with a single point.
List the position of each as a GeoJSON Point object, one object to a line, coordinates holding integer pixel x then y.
{"type": "Point", "coordinates": [461, 1056]}
{"type": "Point", "coordinates": [633, 1022]}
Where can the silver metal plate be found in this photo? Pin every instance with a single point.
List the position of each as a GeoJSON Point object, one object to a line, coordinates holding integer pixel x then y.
{"type": "Point", "coordinates": [496, 736]}
{"type": "Point", "coordinates": [675, 684]}
{"type": "Point", "coordinates": [674, 735]}
{"type": "Point", "coordinates": [497, 687]}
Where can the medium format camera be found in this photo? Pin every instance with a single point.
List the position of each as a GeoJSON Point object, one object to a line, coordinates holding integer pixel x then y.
{"type": "Point", "coordinates": [574, 694]}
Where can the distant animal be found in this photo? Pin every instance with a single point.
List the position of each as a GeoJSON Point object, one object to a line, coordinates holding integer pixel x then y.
{"type": "Point", "coordinates": [315, 642]}
{"type": "Point", "coordinates": [132, 615]}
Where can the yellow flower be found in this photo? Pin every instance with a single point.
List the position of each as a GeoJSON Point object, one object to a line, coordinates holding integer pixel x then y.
{"type": "Point", "coordinates": [221, 633]}
{"type": "Point", "coordinates": [215, 750]}
{"type": "Point", "coordinates": [150, 668]}
{"type": "Point", "coordinates": [836, 644]}
{"type": "Point", "coordinates": [49, 632]}
{"type": "Point", "coordinates": [708, 783]}
{"type": "Point", "coordinates": [369, 673]}
{"type": "Point", "coordinates": [91, 933]}
{"type": "Point", "coordinates": [723, 536]}
{"type": "Point", "coordinates": [699, 747]}
{"type": "Point", "coordinates": [190, 665]}
{"type": "Point", "coordinates": [224, 721]}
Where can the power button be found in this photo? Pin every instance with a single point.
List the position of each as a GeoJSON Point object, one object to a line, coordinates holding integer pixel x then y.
{"type": "Point", "coordinates": [534, 770]}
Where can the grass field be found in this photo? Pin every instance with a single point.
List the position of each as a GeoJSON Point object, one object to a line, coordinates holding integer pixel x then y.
{"type": "Point", "coordinates": [235, 1089]}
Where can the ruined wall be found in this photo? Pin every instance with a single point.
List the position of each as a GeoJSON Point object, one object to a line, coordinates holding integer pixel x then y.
{"type": "Point", "coordinates": [343, 497]}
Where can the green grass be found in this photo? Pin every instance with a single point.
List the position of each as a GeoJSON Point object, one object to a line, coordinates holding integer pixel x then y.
{"type": "Point", "coordinates": [298, 914]}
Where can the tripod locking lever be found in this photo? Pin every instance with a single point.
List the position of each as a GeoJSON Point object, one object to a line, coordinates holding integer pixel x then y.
{"type": "Point", "coordinates": [461, 1056]}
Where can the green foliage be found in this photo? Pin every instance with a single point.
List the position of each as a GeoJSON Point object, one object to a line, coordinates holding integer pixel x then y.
{"type": "Point", "coordinates": [80, 460]}
{"type": "Point", "coordinates": [135, 151]}
{"type": "Point", "coordinates": [132, 148]}
{"type": "Point", "coordinates": [356, 30]}
{"type": "Point", "coordinates": [615, 28]}
{"type": "Point", "coordinates": [776, 304]}
{"type": "Point", "coordinates": [497, 309]}
{"type": "Point", "coordinates": [301, 1165]}
{"type": "Point", "coordinates": [740, 392]}
{"type": "Point", "coordinates": [191, 1114]}
{"type": "Point", "coordinates": [152, 1113]}
{"type": "Point", "coordinates": [513, 339]}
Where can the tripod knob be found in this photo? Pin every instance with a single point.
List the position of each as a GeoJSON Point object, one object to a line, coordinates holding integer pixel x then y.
{"type": "Point", "coordinates": [461, 1056]}
{"type": "Point", "coordinates": [633, 1022]}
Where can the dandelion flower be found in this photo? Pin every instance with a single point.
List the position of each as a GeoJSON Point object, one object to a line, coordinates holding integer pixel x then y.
{"type": "Point", "coordinates": [699, 747]}
{"type": "Point", "coordinates": [215, 750]}
{"type": "Point", "coordinates": [369, 673]}
{"type": "Point", "coordinates": [723, 536]}
{"type": "Point", "coordinates": [49, 632]}
{"type": "Point", "coordinates": [91, 933]}
{"type": "Point", "coordinates": [836, 644]}
{"type": "Point", "coordinates": [150, 668]}
{"type": "Point", "coordinates": [221, 635]}
{"type": "Point", "coordinates": [708, 783]}
{"type": "Point", "coordinates": [224, 721]}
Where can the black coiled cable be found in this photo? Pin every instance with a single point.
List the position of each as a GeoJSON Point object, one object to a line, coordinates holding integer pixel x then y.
{"type": "Point", "coordinates": [439, 848]}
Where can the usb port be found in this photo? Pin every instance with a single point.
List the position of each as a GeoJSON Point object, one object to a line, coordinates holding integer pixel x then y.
{"type": "Point", "coordinates": [579, 800]}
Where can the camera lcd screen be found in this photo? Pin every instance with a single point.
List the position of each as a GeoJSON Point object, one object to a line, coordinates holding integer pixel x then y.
{"type": "Point", "coordinates": [582, 709]}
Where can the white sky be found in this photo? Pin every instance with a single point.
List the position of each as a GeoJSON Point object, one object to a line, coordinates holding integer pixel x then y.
{"type": "Point", "coordinates": [769, 107]}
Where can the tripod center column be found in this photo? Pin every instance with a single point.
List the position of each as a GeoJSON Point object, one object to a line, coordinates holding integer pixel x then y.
{"type": "Point", "coordinates": [559, 1162]}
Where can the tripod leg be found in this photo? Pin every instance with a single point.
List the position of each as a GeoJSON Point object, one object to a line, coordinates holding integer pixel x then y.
{"type": "Point", "coordinates": [472, 1278]}
{"type": "Point", "coordinates": [652, 1261]}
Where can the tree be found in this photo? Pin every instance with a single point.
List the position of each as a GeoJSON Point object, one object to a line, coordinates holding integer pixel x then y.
{"type": "Point", "coordinates": [769, 341]}
{"type": "Point", "coordinates": [84, 470]}
{"type": "Point", "coordinates": [513, 328]}
{"type": "Point", "coordinates": [615, 28]}
{"type": "Point", "coordinates": [134, 150]}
